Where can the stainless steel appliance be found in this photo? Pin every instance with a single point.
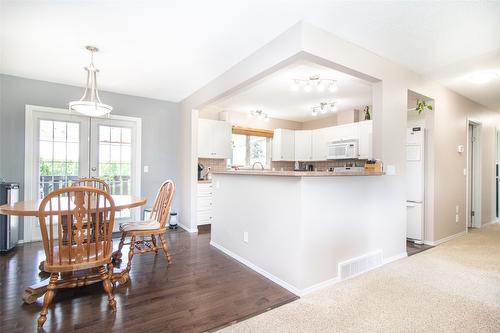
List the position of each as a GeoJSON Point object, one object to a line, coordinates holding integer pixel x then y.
{"type": "Point", "coordinates": [341, 150]}
{"type": "Point", "coordinates": [9, 225]}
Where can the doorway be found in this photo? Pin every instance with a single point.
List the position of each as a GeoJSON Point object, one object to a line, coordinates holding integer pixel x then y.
{"type": "Point", "coordinates": [473, 175]}
{"type": "Point", "coordinates": [62, 147]}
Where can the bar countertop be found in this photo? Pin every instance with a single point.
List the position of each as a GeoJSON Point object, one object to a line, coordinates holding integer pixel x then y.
{"type": "Point", "coordinates": [298, 173]}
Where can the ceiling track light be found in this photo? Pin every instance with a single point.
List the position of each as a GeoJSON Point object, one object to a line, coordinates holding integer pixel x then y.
{"type": "Point", "coordinates": [314, 81]}
{"type": "Point", "coordinates": [324, 108]}
{"type": "Point", "coordinates": [259, 114]}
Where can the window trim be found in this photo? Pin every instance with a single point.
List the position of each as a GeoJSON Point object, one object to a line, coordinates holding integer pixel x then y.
{"type": "Point", "coordinates": [253, 131]}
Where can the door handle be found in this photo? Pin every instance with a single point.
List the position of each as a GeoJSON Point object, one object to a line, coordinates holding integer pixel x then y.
{"type": "Point", "coordinates": [93, 169]}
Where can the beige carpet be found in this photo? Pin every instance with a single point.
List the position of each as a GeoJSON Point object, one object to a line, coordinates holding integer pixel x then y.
{"type": "Point", "coordinates": [454, 287]}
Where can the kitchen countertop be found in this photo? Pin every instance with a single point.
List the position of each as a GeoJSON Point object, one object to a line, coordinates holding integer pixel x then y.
{"type": "Point", "coordinates": [297, 173]}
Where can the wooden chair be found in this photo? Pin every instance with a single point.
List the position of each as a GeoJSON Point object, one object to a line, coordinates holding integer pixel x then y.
{"type": "Point", "coordinates": [148, 229]}
{"type": "Point", "coordinates": [86, 248]}
{"type": "Point", "coordinates": [92, 182]}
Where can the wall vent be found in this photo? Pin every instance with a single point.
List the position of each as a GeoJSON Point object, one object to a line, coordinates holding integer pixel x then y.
{"type": "Point", "coordinates": [358, 265]}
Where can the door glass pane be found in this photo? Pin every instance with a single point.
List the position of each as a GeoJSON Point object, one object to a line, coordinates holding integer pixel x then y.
{"type": "Point", "coordinates": [59, 152]}
{"type": "Point", "coordinates": [115, 161]}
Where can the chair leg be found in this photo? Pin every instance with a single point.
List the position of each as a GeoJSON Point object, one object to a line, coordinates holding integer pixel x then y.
{"type": "Point", "coordinates": [153, 240]}
{"type": "Point", "coordinates": [165, 248]}
{"type": "Point", "coordinates": [118, 253]}
{"type": "Point", "coordinates": [106, 283]}
{"type": "Point", "coordinates": [47, 299]}
{"type": "Point", "coordinates": [131, 253]}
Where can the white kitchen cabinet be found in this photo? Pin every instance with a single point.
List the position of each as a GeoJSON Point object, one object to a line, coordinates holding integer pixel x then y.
{"type": "Point", "coordinates": [364, 135]}
{"type": "Point", "coordinates": [319, 145]}
{"type": "Point", "coordinates": [214, 139]}
{"type": "Point", "coordinates": [303, 146]}
{"type": "Point", "coordinates": [204, 203]}
{"type": "Point", "coordinates": [341, 132]}
{"type": "Point", "coordinates": [283, 145]}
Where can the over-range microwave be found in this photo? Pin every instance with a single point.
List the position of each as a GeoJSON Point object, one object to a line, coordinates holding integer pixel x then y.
{"type": "Point", "coordinates": [341, 150]}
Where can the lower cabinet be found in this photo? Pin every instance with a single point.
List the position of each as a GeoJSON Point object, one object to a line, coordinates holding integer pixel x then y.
{"type": "Point", "coordinates": [204, 203]}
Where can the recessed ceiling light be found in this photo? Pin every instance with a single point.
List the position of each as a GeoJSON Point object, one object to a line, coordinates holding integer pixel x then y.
{"type": "Point", "coordinates": [482, 77]}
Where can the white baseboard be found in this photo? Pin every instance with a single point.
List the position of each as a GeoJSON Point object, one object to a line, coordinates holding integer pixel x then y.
{"type": "Point", "coordinates": [394, 258]}
{"type": "Point", "coordinates": [286, 285]}
{"type": "Point", "coordinates": [318, 286]}
{"type": "Point", "coordinates": [443, 240]}
{"type": "Point", "coordinates": [491, 222]}
{"type": "Point", "coordinates": [256, 268]}
{"type": "Point", "coordinates": [191, 230]}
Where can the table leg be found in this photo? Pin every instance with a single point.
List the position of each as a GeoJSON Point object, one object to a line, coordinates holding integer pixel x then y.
{"type": "Point", "coordinates": [71, 280]}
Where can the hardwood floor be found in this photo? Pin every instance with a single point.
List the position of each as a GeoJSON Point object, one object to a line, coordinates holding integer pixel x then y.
{"type": "Point", "coordinates": [412, 248]}
{"type": "Point", "coordinates": [202, 290]}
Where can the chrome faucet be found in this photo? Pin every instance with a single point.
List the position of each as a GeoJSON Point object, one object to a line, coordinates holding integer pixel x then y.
{"type": "Point", "coordinates": [261, 166]}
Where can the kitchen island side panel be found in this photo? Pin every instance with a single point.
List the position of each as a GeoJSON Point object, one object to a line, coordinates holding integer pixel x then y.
{"type": "Point", "coordinates": [268, 209]}
{"type": "Point", "coordinates": [347, 217]}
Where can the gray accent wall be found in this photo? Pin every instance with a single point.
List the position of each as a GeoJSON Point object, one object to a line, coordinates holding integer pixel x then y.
{"type": "Point", "coordinates": [160, 127]}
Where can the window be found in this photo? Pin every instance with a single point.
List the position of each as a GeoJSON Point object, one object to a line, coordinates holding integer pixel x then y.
{"type": "Point", "coordinates": [59, 154]}
{"type": "Point", "coordinates": [115, 160]}
{"type": "Point", "coordinates": [249, 149]}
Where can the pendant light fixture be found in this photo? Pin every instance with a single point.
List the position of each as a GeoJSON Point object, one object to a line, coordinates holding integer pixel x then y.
{"type": "Point", "coordinates": [90, 104]}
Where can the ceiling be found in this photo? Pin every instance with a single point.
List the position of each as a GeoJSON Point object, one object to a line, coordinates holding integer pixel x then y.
{"type": "Point", "coordinates": [274, 96]}
{"type": "Point", "coordinates": [169, 49]}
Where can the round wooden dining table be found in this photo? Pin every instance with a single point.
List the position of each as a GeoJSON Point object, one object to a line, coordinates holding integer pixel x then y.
{"type": "Point", "coordinates": [80, 278]}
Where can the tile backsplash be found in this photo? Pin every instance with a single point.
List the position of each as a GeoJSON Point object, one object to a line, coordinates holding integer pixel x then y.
{"type": "Point", "coordinates": [221, 164]}
{"type": "Point", "coordinates": [318, 165]}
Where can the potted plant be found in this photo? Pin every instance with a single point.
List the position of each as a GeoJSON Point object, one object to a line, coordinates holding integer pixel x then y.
{"type": "Point", "coordinates": [422, 105]}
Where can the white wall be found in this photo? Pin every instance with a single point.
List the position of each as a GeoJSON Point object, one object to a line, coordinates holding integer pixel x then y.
{"type": "Point", "coordinates": [301, 228]}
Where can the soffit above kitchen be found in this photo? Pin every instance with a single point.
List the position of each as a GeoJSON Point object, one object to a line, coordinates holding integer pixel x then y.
{"type": "Point", "coordinates": [275, 94]}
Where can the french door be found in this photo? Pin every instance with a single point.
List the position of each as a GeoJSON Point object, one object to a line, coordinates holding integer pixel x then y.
{"type": "Point", "coordinates": [62, 147]}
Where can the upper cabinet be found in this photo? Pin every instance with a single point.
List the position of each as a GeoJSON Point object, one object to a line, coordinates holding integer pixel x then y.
{"type": "Point", "coordinates": [283, 145]}
{"type": "Point", "coordinates": [303, 146]}
{"type": "Point", "coordinates": [319, 144]}
{"type": "Point", "coordinates": [365, 134]}
{"type": "Point", "coordinates": [341, 132]}
{"type": "Point", "coordinates": [214, 139]}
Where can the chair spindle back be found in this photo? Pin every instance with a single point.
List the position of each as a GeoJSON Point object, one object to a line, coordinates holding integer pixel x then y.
{"type": "Point", "coordinates": [92, 182]}
{"type": "Point", "coordinates": [163, 203]}
{"type": "Point", "coordinates": [77, 224]}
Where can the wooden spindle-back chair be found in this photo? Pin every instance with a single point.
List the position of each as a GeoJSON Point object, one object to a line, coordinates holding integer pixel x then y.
{"type": "Point", "coordinates": [92, 182]}
{"type": "Point", "coordinates": [76, 225]}
{"type": "Point", "coordinates": [156, 225]}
